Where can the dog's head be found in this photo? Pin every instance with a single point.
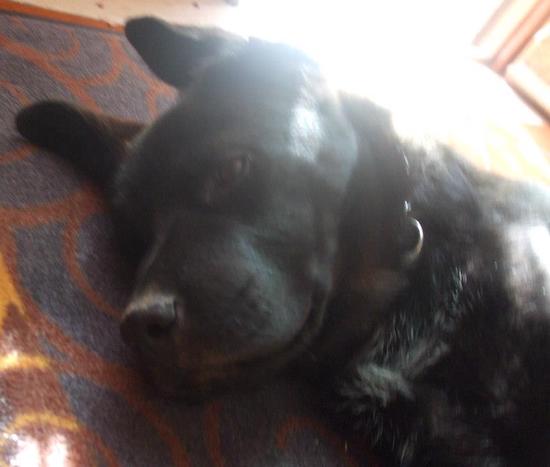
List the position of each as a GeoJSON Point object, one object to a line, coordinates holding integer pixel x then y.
{"type": "Point", "coordinates": [236, 193]}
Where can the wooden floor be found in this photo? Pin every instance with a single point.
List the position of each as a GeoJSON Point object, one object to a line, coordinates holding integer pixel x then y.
{"type": "Point", "coordinates": [459, 101]}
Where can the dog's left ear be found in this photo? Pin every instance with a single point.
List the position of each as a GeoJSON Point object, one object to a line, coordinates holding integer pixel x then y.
{"type": "Point", "coordinates": [174, 52]}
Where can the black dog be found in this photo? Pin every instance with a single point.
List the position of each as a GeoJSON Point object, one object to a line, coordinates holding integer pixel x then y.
{"type": "Point", "coordinates": [279, 223]}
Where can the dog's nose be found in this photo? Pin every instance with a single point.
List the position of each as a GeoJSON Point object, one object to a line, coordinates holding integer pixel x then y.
{"type": "Point", "coordinates": [149, 323]}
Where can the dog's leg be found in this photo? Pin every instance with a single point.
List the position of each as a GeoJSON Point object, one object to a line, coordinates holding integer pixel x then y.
{"type": "Point", "coordinates": [93, 143]}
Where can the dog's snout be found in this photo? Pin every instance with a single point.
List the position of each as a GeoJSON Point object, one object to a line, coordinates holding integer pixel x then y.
{"type": "Point", "coordinates": [150, 322]}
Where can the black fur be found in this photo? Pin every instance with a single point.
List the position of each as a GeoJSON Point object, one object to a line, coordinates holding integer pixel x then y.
{"type": "Point", "coordinates": [269, 216]}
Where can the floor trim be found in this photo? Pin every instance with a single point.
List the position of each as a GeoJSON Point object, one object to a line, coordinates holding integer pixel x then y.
{"type": "Point", "coordinates": [44, 13]}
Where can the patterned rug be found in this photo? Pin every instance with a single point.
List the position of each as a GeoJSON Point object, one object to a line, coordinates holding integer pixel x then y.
{"type": "Point", "coordinates": [69, 394]}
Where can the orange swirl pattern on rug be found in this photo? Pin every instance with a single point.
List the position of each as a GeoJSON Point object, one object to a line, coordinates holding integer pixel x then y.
{"type": "Point", "coordinates": [70, 394]}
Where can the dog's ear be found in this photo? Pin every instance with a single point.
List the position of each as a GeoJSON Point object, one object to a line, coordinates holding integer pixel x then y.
{"type": "Point", "coordinates": [174, 52]}
{"type": "Point", "coordinates": [379, 184]}
{"type": "Point", "coordinates": [94, 144]}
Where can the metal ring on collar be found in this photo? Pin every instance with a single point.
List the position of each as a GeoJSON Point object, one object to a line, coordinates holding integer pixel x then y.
{"type": "Point", "coordinates": [412, 255]}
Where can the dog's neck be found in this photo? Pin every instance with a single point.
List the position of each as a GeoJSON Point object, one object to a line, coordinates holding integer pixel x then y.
{"type": "Point", "coordinates": [375, 226]}
{"type": "Point", "coordinates": [379, 237]}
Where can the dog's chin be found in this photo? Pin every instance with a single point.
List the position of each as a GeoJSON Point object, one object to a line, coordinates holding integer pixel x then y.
{"type": "Point", "coordinates": [200, 385]}
{"type": "Point", "coordinates": [183, 389]}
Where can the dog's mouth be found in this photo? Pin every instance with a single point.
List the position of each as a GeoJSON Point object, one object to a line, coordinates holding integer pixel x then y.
{"type": "Point", "coordinates": [200, 382]}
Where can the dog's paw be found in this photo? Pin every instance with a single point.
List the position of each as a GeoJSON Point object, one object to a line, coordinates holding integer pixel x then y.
{"type": "Point", "coordinates": [52, 125]}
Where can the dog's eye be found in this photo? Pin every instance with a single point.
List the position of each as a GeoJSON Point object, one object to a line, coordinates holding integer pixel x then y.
{"type": "Point", "coordinates": [227, 174]}
{"type": "Point", "coordinates": [233, 169]}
